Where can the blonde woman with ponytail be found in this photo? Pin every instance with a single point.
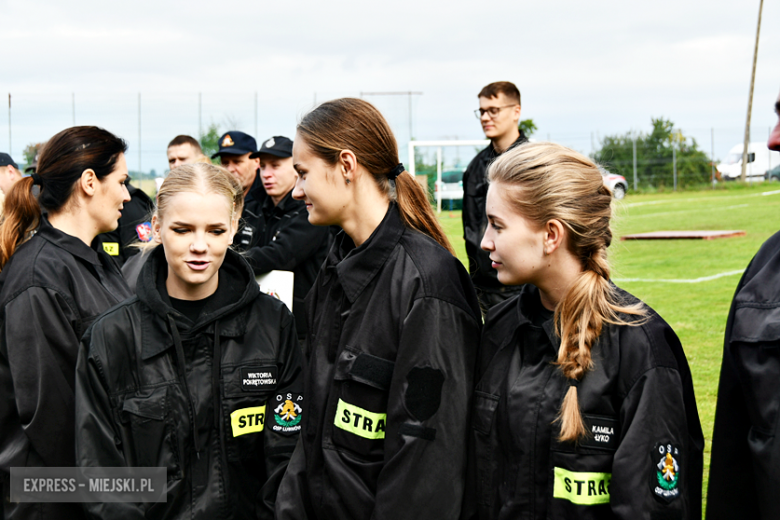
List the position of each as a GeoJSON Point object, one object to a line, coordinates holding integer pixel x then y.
{"type": "Point", "coordinates": [584, 405]}
{"type": "Point", "coordinates": [393, 332]}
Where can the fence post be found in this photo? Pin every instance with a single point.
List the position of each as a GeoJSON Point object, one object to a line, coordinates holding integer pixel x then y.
{"type": "Point", "coordinates": [712, 156]}
{"type": "Point", "coordinates": [139, 134]}
{"type": "Point", "coordinates": [635, 180]}
{"type": "Point", "coordinates": [438, 179]}
{"type": "Point", "coordinates": [10, 150]}
{"type": "Point", "coordinates": [674, 164]}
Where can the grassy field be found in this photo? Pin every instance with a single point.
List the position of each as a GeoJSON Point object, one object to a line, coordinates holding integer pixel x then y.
{"type": "Point", "coordinates": [664, 273]}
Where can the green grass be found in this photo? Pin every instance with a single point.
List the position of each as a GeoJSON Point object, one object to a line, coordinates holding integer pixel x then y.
{"type": "Point", "coordinates": [696, 311]}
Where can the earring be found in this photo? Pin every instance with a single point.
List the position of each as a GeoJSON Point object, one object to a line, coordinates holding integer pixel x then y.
{"type": "Point", "coordinates": [347, 181]}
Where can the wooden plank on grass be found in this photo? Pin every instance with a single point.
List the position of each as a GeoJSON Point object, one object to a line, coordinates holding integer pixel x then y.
{"type": "Point", "coordinates": [684, 235]}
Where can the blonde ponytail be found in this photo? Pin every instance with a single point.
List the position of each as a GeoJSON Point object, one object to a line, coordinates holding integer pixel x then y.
{"type": "Point", "coordinates": [547, 181]}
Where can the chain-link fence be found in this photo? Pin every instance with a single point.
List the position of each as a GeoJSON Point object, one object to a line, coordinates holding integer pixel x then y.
{"type": "Point", "coordinates": [149, 120]}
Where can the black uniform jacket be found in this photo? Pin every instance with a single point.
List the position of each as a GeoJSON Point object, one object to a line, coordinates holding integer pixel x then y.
{"type": "Point", "coordinates": [250, 228]}
{"type": "Point", "coordinates": [745, 465]}
{"type": "Point", "coordinates": [393, 334]}
{"type": "Point", "coordinates": [134, 226]}
{"type": "Point", "coordinates": [475, 187]}
{"type": "Point", "coordinates": [53, 287]}
{"type": "Point", "coordinates": [637, 403]}
{"type": "Point", "coordinates": [290, 243]}
{"type": "Point", "coordinates": [218, 403]}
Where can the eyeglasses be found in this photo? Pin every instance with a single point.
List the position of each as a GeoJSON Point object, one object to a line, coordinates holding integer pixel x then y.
{"type": "Point", "coordinates": [492, 111]}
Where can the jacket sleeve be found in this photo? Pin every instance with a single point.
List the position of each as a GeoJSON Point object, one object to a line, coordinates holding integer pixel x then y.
{"type": "Point", "coordinates": [427, 414]}
{"type": "Point", "coordinates": [280, 438]}
{"type": "Point", "coordinates": [41, 343]}
{"type": "Point", "coordinates": [294, 242]}
{"type": "Point", "coordinates": [96, 437]}
{"type": "Point", "coordinates": [657, 468]}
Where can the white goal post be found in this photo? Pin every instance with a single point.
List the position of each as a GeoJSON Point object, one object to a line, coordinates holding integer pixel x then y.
{"type": "Point", "coordinates": [439, 145]}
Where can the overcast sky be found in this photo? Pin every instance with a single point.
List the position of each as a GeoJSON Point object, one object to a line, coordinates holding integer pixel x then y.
{"type": "Point", "coordinates": [584, 68]}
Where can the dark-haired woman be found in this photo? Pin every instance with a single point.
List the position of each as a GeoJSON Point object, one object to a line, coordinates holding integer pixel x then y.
{"type": "Point", "coordinates": [393, 332]}
{"type": "Point", "coordinates": [584, 406]}
{"type": "Point", "coordinates": [52, 286]}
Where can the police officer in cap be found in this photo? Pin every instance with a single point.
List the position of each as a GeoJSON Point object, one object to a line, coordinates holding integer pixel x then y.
{"type": "Point", "coordinates": [288, 241]}
{"type": "Point", "coordinates": [235, 149]}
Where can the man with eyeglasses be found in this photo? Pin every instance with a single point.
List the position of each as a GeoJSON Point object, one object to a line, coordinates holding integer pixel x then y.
{"type": "Point", "coordinates": [499, 114]}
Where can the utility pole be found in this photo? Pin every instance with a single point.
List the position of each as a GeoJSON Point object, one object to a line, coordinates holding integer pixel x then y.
{"type": "Point", "coordinates": [712, 156]}
{"type": "Point", "coordinates": [750, 97]}
{"type": "Point", "coordinates": [635, 180]}
{"type": "Point", "coordinates": [139, 134]}
{"type": "Point", "coordinates": [674, 164]}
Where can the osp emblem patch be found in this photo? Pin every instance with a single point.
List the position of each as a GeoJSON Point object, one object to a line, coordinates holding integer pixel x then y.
{"type": "Point", "coordinates": [666, 479]}
{"type": "Point", "coordinates": [144, 231]}
{"type": "Point", "coordinates": [227, 141]}
{"type": "Point", "coordinates": [288, 412]}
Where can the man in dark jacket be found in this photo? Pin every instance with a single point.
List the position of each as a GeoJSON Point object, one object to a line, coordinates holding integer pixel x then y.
{"type": "Point", "coordinates": [288, 242]}
{"type": "Point", "coordinates": [499, 114]}
{"type": "Point", "coordinates": [134, 226]}
{"type": "Point", "coordinates": [235, 150]}
{"type": "Point", "coordinates": [745, 467]}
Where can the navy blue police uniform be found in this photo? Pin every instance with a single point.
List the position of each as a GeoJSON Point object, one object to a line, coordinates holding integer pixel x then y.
{"type": "Point", "coordinates": [250, 227]}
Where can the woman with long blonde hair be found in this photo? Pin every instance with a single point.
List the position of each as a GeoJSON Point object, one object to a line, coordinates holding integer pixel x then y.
{"type": "Point", "coordinates": [584, 405]}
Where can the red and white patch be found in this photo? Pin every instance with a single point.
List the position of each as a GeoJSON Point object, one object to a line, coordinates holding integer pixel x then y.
{"type": "Point", "coordinates": [144, 231]}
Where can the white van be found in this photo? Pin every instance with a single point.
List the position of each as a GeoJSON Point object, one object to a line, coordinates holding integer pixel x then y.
{"type": "Point", "coordinates": [760, 160]}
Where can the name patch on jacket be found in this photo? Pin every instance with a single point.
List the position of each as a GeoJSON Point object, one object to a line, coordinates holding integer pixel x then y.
{"type": "Point", "coordinates": [258, 378]}
{"type": "Point", "coordinates": [603, 433]}
{"type": "Point", "coordinates": [248, 420]}
{"type": "Point", "coordinates": [359, 421]}
{"type": "Point", "coordinates": [582, 488]}
{"type": "Point", "coordinates": [112, 248]}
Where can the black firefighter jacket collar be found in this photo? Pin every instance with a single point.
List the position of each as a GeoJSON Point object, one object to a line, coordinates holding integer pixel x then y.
{"type": "Point", "coordinates": [356, 267]}
{"type": "Point", "coordinates": [235, 277]}
{"type": "Point", "coordinates": [71, 244]}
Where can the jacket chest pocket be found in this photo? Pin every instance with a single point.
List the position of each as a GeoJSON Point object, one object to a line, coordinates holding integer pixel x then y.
{"type": "Point", "coordinates": [581, 476]}
{"type": "Point", "coordinates": [247, 408]}
{"type": "Point", "coordinates": [359, 424]}
{"type": "Point", "coordinates": [483, 410]}
{"type": "Point", "coordinates": [148, 435]}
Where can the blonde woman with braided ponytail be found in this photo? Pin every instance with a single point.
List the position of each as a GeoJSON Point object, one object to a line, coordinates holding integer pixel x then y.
{"type": "Point", "coordinates": [584, 406]}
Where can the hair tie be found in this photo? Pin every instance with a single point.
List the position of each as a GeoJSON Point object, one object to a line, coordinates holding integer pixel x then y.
{"type": "Point", "coordinates": [395, 172]}
{"type": "Point", "coordinates": [37, 179]}
{"type": "Point", "coordinates": [575, 383]}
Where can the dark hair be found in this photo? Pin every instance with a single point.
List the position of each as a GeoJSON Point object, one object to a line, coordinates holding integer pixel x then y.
{"type": "Point", "coordinates": [501, 87]}
{"type": "Point", "coordinates": [354, 124]}
{"type": "Point", "coordinates": [62, 161]}
{"type": "Point", "coordinates": [185, 139]}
